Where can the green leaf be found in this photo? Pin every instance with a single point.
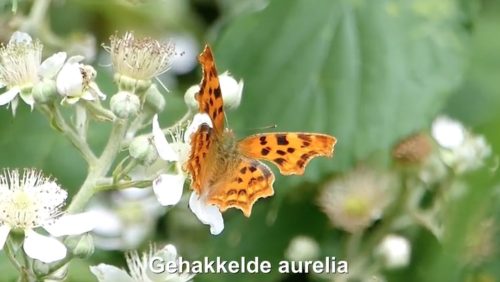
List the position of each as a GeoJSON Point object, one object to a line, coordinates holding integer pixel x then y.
{"type": "Point", "coordinates": [368, 72]}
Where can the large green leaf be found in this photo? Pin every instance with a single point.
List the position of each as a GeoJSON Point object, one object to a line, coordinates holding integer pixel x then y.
{"type": "Point", "coordinates": [368, 72]}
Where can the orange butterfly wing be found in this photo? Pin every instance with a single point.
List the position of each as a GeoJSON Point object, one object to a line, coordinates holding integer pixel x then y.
{"type": "Point", "coordinates": [210, 96]}
{"type": "Point", "coordinates": [235, 178]}
{"type": "Point", "coordinates": [197, 164]}
{"type": "Point", "coordinates": [249, 182]}
{"type": "Point", "coordinates": [290, 151]}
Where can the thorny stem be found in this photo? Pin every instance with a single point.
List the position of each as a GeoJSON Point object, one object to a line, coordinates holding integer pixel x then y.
{"type": "Point", "coordinates": [101, 168]}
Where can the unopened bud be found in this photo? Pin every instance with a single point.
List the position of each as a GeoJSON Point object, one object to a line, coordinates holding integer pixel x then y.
{"type": "Point", "coordinates": [142, 149]}
{"type": "Point", "coordinates": [44, 92]}
{"type": "Point", "coordinates": [80, 245]}
{"type": "Point", "coordinates": [154, 99]}
{"type": "Point", "coordinates": [190, 98]}
{"type": "Point", "coordinates": [125, 104]}
{"type": "Point", "coordinates": [231, 91]}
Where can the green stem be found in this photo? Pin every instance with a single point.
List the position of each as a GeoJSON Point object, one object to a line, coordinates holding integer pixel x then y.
{"type": "Point", "coordinates": [99, 112]}
{"type": "Point", "coordinates": [71, 134]}
{"type": "Point", "coordinates": [118, 175]}
{"type": "Point", "coordinates": [36, 16]}
{"type": "Point", "coordinates": [124, 185]}
{"type": "Point", "coordinates": [101, 168]}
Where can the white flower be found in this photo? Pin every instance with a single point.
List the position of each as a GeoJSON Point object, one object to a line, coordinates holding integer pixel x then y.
{"type": "Point", "coordinates": [140, 59]}
{"type": "Point", "coordinates": [395, 251]}
{"type": "Point", "coordinates": [21, 68]}
{"type": "Point", "coordinates": [355, 200]}
{"type": "Point", "coordinates": [140, 268]}
{"type": "Point", "coordinates": [168, 187]}
{"type": "Point", "coordinates": [33, 201]}
{"type": "Point", "coordinates": [230, 88]}
{"type": "Point", "coordinates": [302, 248]}
{"type": "Point", "coordinates": [75, 81]}
{"type": "Point", "coordinates": [460, 149]}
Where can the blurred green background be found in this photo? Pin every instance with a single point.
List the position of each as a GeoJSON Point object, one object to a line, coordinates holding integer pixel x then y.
{"type": "Point", "coordinates": [369, 72]}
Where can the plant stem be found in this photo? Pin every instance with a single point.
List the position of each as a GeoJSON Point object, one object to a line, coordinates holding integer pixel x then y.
{"type": "Point", "coordinates": [71, 134]}
{"type": "Point", "coordinates": [124, 185]}
{"type": "Point", "coordinates": [36, 16]}
{"type": "Point", "coordinates": [101, 168]}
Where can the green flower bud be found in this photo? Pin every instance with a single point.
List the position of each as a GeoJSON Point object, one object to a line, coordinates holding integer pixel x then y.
{"type": "Point", "coordinates": [125, 104]}
{"type": "Point", "coordinates": [80, 245]}
{"type": "Point", "coordinates": [190, 98]}
{"type": "Point", "coordinates": [44, 92]}
{"type": "Point", "coordinates": [40, 268]}
{"type": "Point", "coordinates": [154, 99]}
{"type": "Point", "coordinates": [142, 149]}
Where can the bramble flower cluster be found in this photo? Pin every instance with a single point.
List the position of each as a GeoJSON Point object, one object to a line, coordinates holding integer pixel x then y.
{"type": "Point", "coordinates": [29, 201]}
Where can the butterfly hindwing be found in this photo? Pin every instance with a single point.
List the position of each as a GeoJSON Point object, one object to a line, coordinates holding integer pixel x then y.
{"type": "Point", "coordinates": [290, 151]}
{"type": "Point", "coordinates": [249, 182]}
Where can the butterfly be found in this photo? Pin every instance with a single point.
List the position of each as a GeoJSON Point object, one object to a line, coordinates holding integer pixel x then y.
{"type": "Point", "coordinates": [228, 173]}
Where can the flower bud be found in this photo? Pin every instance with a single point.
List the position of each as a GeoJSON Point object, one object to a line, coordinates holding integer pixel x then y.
{"type": "Point", "coordinates": [394, 251]}
{"type": "Point", "coordinates": [190, 98]}
{"type": "Point", "coordinates": [154, 99]}
{"type": "Point", "coordinates": [302, 248]}
{"type": "Point", "coordinates": [44, 91]}
{"type": "Point", "coordinates": [142, 149]}
{"type": "Point", "coordinates": [125, 104]}
{"type": "Point", "coordinates": [80, 245]}
{"type": "Point", "coordinates": [231, 91]}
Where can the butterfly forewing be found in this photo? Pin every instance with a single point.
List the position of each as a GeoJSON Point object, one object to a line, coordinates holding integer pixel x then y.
{"type": "Point", "coordinates": [289, 151]}
{"type": "Point", "coordinates": [210, 97]}
{"type": "Point", "coordinates": [198, 162]}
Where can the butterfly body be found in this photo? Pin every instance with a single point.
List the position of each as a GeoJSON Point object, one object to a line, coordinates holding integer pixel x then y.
{"type": "Point", "coordinates": [227, 172]}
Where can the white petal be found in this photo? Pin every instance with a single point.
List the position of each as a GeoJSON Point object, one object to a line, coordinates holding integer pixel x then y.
{"type": "Point", "coordinates": [51, 66]}
{"type": "Point", "coordinates": [109, 223]}
{"type": "Point", "coordinates": [43, 248]}
{"type": "Point", "coordinates": [198, 120]}
{"type": "Point", "coordinates": [165, 151]}
{"type": "Point", "coordinates": [73, 224]}
{"type": "Point", "coordinates": [8, 96]}
{"type": "Point", "coordinates": [4, 232]}
{"type": "Point", "coordinates": [168, 188]}
{"type": "Point", "coordinates": [207, 214]}
{"type": "Point", "coordinates": [20, 37]}
{"type": "Point", "coordinates": [109, 273]}
{"type": "Point", "coordinates": [87, 95]}
{"type": "Point", "coordinates": [49, 194]}
{"type": "Point", "coordinates": [448, 133]}
{"type": "Point", "coordinates": [69, 81]}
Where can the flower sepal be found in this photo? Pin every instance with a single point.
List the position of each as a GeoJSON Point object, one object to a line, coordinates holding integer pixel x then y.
{"type": "Point", "coordinates": [81, 246]}
{"type": "Point", "coordinates": [126, 83]}
{"type": "Point", "coordinates": [44, 92]}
